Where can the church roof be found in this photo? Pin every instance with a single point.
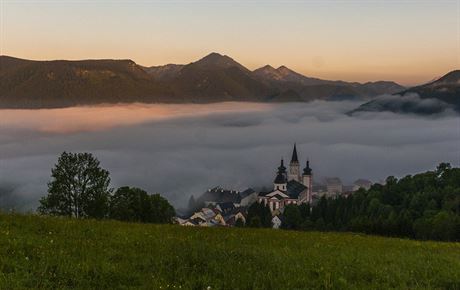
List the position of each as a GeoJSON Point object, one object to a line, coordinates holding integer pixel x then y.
{"type": "Point", "coordinates": [263, 193]}
{"type": "Point", "coordinates": [294, 189]}
{"type": "Point", "coordinates": [277, 196]}
{"type": "Point", "coordinates": [246, 193]}
{"type": "Point", "coordinates": [225, 206]}
{"type": "Point", "coordinates": [278, 192]}
{"type": "Point", "coordinates": [294, 155]}
{"type": "Point", "coordinates": [219, 195]}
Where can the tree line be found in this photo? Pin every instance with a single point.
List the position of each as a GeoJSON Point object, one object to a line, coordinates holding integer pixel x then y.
{"type": "Point", "coordinates": [422, 206]}
{"type": "Point", "coordinates": [80, 188]}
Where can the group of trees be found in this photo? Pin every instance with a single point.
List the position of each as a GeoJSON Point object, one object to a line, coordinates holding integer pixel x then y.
{"type": "Point", "coordinates": [80, 188]}
{"type": "Point", "coordinates": [258, 216]}
{"type": "Point", "coordinates": [423, 206]}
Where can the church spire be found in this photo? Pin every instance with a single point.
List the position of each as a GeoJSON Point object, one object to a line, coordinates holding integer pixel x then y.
{"type": "Point", "coordinates": [294, 168]}
{"type": "Point", "coordinates": [281, 168]}
{"type": "Point", "coordinates": [307, 170]}
{"type": "Point", "coordinates": [294, 154]}
{"type": "Point", "coordinates": [280, 180]}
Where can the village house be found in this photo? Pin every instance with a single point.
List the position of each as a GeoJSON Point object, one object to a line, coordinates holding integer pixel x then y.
{"type": "Point", "coordinates": [237, 214]}
{"type": "Point", "coordinates": [276, 222]}
{"type": "Point", "coordinates": [217, 195]}
{"type": "Point", "coordinates": [334, 186]}
{"type": "Point", "coordinates": [221, 214]}
{"type": "Point", "coordinates": [362, 183]}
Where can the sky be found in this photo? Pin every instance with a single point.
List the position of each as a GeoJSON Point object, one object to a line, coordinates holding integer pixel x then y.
{"type": "Point", "coordinates": [182, 150]}
{"type": "Point", "coordinates": [408, 41]}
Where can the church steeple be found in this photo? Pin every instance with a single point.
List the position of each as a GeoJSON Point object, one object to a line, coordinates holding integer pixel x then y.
{"type": "Point", "coordinates": [281, 168]}
{"type": "Point", "coordinates": [294, 154]}
{"type": "Point", "coordinates": [280, 180]}
{"type": "Point", "coordinates": [307, 180]}
{"type": "Point", "coordinates": [294, 167]}
{"type": "Point", "coordinates": [307, 170]}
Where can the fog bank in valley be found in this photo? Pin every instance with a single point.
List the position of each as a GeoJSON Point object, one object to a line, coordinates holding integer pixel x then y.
{"type": "Point", "coordinates": [179, 150]}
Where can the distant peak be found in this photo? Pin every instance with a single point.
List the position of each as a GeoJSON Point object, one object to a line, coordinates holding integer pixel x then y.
{"type": "Point", "coordinates": [266, 67]}
{"type": "Point", "coordinates": [215, 59]}
{"type": "Point", "coordinates": [214, 55]}
{"type": "Point", "coordinates": [284, 69]}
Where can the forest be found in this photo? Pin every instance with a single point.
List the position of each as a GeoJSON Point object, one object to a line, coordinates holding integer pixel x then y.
{"type": "Point", "coordinates": [420, 206]}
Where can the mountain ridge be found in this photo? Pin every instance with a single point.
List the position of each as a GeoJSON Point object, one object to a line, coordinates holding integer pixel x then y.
{"type": "Point", "coordinates": [213, 78]}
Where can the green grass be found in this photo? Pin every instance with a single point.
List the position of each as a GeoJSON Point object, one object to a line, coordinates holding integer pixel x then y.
{"type": "Point", "coordinates": [44, 252]}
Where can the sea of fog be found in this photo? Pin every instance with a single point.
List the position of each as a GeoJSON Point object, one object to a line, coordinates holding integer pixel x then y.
{"type": "Point", "coordinates": [179, 150]}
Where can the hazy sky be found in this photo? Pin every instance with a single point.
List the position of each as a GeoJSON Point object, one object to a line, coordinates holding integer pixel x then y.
{"type": "Point", "coordinates": [406, 41]}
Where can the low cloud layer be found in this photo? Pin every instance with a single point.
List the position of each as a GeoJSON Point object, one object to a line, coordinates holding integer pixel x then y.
{"type": "Point", "coordinates": [193, 147]}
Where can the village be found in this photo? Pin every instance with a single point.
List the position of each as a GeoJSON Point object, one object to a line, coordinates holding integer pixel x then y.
{"type": "Point", "coordinates": [223, 207]}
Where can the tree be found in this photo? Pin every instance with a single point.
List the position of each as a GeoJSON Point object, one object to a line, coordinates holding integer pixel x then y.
{"type": "Point", "coordinates": [292, 217]}
{"type": "Point", "coordinates": [79, 188]}
{"type": "Point", "coordinates": [136, 205]}
{"type": "Point", "coordinates": [255, 222]}
{"type": "Point", "coordinates": [239, 223]}
{"type": "Point", "coordinates": [127, 204]}
{"type": "Point", "coordinates": [307, 225]}
{"type": "Point", "coordinates": [446, 226]}
{"type": "Point", "coordinates": [320, 224]}
{"type": "Point", "coordinates": [161, 211]}
{"type": "Point", "coordinates": [263, 214]}
{"type": "Point", "coordinates": [304, 210]}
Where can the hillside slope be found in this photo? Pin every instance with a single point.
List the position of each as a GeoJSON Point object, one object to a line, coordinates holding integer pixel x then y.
{"type": "Point", "coordinates": [61, 83]}
{"type": "Point", "coordinates": [432, 98]}
{"type": "Point", "coordinates": [58, 253]}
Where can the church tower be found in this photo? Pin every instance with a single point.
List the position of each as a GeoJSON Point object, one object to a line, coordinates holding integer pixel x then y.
{"type": "Point", "coordinates": [307, 180]}
{"type": "Point", "coordinates": [294, 167]}
{"type": "Point", "coordinates": [280, 182]}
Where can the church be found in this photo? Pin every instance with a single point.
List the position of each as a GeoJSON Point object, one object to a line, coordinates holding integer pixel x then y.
{"type": "Point", "coordinates": [289, 187]}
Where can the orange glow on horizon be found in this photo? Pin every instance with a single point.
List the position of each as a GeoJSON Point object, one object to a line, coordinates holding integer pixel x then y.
{"type": "Point", "coordinates": [103, 117]}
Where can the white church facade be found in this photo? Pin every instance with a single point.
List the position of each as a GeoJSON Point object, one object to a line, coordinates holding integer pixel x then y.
{"type": "Point", "coordinates": [290, 187]}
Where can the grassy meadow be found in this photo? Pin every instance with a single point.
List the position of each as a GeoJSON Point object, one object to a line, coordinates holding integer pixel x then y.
{"type": "Point", "coordinates": [59, 253]}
